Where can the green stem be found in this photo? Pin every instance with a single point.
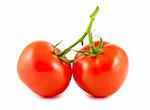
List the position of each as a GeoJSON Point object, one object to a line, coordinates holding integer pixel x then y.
{"type": "Point", "coordinates": [93, 15]}
{"type": "Point", "coordinates": [88, 31]}
{"type": "Point", "coordinates": [70, 47]}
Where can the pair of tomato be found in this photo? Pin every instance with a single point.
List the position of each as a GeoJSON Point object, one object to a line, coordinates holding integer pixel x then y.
{"type": "Point", "coordinates": [47, 75]}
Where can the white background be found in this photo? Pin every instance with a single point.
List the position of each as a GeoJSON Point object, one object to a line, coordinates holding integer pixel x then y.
{"type": "Point", "coordinates": [123, 22]}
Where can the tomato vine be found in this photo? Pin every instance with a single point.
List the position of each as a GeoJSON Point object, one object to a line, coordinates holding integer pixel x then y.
{"type": "Point", "coordinates": [93, 50]}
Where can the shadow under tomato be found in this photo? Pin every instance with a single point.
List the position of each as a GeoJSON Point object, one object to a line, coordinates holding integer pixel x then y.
{"type": "Point", "coordinates": [50, 98]}
{"type": "Point", "coordinates": [97, 98]}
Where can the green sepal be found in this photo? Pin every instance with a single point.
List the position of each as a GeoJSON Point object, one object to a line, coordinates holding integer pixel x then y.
{"type": "Point", "coordinates": [86, 52]}
{"type": "Point", "coordinates": [100, 45]}
{"type": "Point", "coordinates": [55, 48]}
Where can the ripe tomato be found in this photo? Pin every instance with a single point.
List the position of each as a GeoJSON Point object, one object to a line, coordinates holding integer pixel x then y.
{"type": "Point", "coordinates": [103, 74]}
{"type": "Point", "coordinates": [42, 71]}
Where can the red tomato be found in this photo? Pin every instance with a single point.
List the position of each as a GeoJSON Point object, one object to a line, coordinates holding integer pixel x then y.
{"type": "Point", "coordinates": [42, 71]}
{"type": "Point", "coordinates": [102, 75]}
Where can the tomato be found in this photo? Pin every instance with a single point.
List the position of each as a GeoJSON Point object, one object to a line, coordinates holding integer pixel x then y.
{"type": "Point", "coordinates": [103, 74]}
{"type": "Point", "coordinates": [41, 70]}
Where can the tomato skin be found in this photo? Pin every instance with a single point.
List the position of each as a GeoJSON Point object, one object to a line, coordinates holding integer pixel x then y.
{"type": "Point", "coordinates": [42, 71]}
{"type": "Point", "coordinates": [104, 74]}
